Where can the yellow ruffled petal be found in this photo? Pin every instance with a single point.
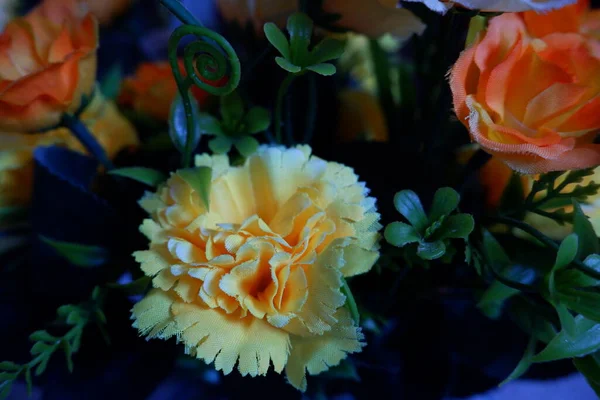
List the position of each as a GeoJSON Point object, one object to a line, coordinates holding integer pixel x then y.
{"type": "Point", "coordinates": [316, 354]}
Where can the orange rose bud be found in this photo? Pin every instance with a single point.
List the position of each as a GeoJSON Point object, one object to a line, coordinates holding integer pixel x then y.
{"type": "Point", "coordinates": [153, 88]}
{"type": "Point", "coordinates": [532, 102]}
{"type": "Point", "coordinates": [47, 63]}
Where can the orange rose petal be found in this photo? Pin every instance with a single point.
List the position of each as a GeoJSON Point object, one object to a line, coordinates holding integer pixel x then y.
{"type": "Point", "coordinates": [463, 81]}
{"type": "Point", "coordinates": [586, 118]}
{"type": "Point", "coordinates": [61, 48]}
{"type": "Point", "coordinates": [554, 100]}
{"type": "Point", "coordinates": [578, 158]}
{"type": "Point", "coordinates": [565, 19]}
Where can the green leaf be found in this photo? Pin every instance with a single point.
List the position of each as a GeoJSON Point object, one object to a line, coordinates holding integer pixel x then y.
{"type": "Point", "coordinates": [148, 176]}
{"type": "Point", "coordinates": [111, 84]}
{"type": "Point", "coordinates": [9, 366]}
{"type": "Point", "coordinates": [220, 145]}
{"type": "Point", "coordinates": [209, 124]}
{"type": "Point", "coordinates": [78, 254]}
{"type": "Point", "coordinates": [277, 39]}
{"type": "Point", "coordinates": [42, 336]}
{"type": "Point", "coordinates": [139, 286]}
{"type": "Point", "coordinates": [567, 251]}
{"type": "Point", "coordinates": [588, 241]}
{"type": "Point", "coordinates": [565, 256]}
{"type": "Point", "coordinates": [42, 366]}
{"type": "Point", "coordinates": [286, 65]}
{"type": "Point", "coordinates": [582, 301]}
{"type": "Point", "coordinates": [567, 322]}
{"type": "Point", "coordinates": [431, 250]}
{"type": "Point", "coordinates": [590, 368]}
{"type": "Point", "coordinates": [328, 49]}
{"type": "Point", "coordinates": [444, 202]}
{"type": "Point", "coordinates": [64, 310]}
{"type": "Point", "coordinates": [494, 251]}
{"type": "Point", "coordinates": [586, 340]}
{"type": "Point", "coordinates": [246, 145]}
{"type": "Point", "coordinates": [200, 179]}
{"type": "Point", "coordinates": [457, 226]}
{"type": "Point", "coordinates": [400, 234]}
{"type": "Point", "coordinates": [409, 205]}
{"type": "Point", "coordinates": [39, 347]}
{"type": "Point", "coordinates": [28, 381]}
{"type": "Point", "coordinates": [178, 123]}
{"type": "Point", "coordinates": [300, 27]}
{"type": "Point", "coordinates": [350, 302]}
{"type": "Point", "coordinates": [232, 107]}
{"type": "Point", "coordinates": [257, 120]}
{"type": "Point", "coordinates": [324, 69]}
{"type": "Point", "coordinates": [68, 355]}
{"type": "Point", "coordinates": [525, 362]}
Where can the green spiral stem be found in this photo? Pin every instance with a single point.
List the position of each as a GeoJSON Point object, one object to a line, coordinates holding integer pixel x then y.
{"type": "Point", "coordinates": [209, 58]}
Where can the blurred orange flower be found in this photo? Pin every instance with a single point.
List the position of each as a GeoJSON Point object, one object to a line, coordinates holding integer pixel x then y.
{"type": "Point", "coordinates": [107, 125]}
{"type": "Point", "coordinates": [153, 88]}
{"type": "Point", "coordinates": [361, 117]}
{"type": "Point", "coordinates": [532, 102]}
{"type": "Point", "coordinates": [47, 62]}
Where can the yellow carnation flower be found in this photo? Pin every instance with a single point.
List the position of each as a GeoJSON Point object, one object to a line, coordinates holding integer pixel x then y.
{"type": "Point", "coordinates": [256, 279]}
{"type": "Point", "coordinates": [112, 130]}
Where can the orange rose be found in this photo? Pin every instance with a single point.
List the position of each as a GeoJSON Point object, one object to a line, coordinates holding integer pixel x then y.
{"type": "Point", "coordinates": [153, 88]}
{"type": "Point", "coordinates": [532, 102]}
{"type": "Point", "coordinates": [47, 62]}
{"type": "Point", "coordinates": [576, 18]}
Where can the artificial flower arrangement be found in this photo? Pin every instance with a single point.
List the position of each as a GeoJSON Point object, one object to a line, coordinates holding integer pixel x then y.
{"type": "Point", "coordinates": [358, 195]}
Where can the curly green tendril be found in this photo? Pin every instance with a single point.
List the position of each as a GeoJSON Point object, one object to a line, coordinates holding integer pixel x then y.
{"type": "Point", "coordinates": [209, 58]}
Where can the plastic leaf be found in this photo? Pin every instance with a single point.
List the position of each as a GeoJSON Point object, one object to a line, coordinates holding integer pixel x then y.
{"type": "Point", "coordinates": [78, 254]}
{"type": "Point", "coordinates": [584, 302]}
{"type": "Point", "coordinates": [178, 124]}
{"type": "Point", "coordinates": [593, 261]}
{"type": "Point", "coordinates": [277, 39]}
{"type": "Point", "coordinates": [565, 256]}
{"type": "Point", "coordinates": [149, 176]}
{"type": "Point", "coordinates": [199, 179]}
{"type": "Point", "coordinates": [220, 145]}
{"type": "Point", "coordinates": [590, 368]}
{"type": "Point", "coordinates": [42, 336]}
{"type": "Point", "coordinates": [139, 286]}
{"type": "Point", "coordinates": [457, 226]}
{"type": "Point", "coordinates": [399, 234]}
{"type": "Point", "coordinates": [232, 107]}
{"type": "Point", "coordinates": [209, 124]}
{"type": "Point", "coordinates": [431, 250]}
{"type": "Point", "coordinates": [246, 145]}
{"type": "Point", "coordinates": [525, 362]}
{"type": "Point", "coordinates": [445, 201]}
{"type": "Point", "coordinates": [28, 381]}
{"type": "Point", "coordinates": [68, 355]}
{"type": "Point", "coordinates": [325, 69]}
{"type": "Point", "coordinates": [586, 340]}
{"type": "Point", "coordinates": [257, 120]}
{"type": "Point", "coordinates": [585, 231]}
{"type": "Point", "coordinates": [300, 27]}
{"type": "Point", "coordinates": [567, 322]}
{"type": "Point", "coordinates": [494, 250]}
{"type": "Point", "coordinates": [328, 49]}
{"type": "Point", "coordinates": [9, 366]}
{"type": "Point", "coordinates": [408, 204]}
{"type": "Point", "coordinates": [286, 65]}
{"type": "Point", "coordinates": [497, 293]}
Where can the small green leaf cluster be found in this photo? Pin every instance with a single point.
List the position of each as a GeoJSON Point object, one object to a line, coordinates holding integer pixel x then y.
{"type": "Point", "coordinates": [550, 195]}
{"type": "Point", "coordinates": [296, 58]}
{"type": "Point", "coordinates": [76, 317]}
{"type": "Point", "coordinates": [429, 235]}
{"type": "Point", "coordinates": [556, 304]}
{"type": "Point", "coordinates": [235, 127]}
{"type": "Point", "coordinates": [79, 254]}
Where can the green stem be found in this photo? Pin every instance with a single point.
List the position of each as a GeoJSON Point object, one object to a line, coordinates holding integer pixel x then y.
{"type": "Point", "coordinates": [182, 13]}
{"type": "Point", "coordinates": [283, 89]}
{"type": "Point", "coordinates": [546, 241]}
{"type": "Point", "coordinates": [189, 120]}
{"type": "Point", "coordinates": [81, 132]}
{"type": "Point", "coordinates": [311, 117]}
{"type": "Point", "coordinates": [350, 302]}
